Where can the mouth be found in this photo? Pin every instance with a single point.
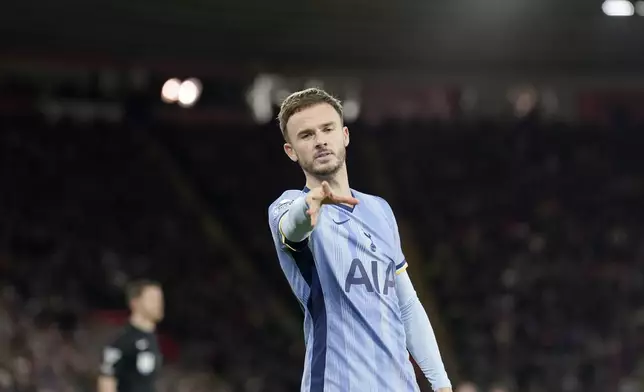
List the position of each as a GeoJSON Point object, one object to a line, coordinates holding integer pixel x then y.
{"type": "Point", "coordinates": [322, 154]}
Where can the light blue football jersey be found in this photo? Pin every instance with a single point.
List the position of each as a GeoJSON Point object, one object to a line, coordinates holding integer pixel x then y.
{"type": "Point", "coordinates": [344, 277]}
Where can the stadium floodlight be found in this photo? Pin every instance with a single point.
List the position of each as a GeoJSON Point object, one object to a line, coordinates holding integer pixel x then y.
{"type": "Point", "coordinates": [258, 98]}
{"type": "Point", "coordinates": [189, 92]}
{"type": "Point", "coordinates": [351, 110]}
{"type": "Point", "coordinates": [639, 8]}
{"type": "Point", "coordinates": [170, 90]}
{"type": "Point", "coordinates": [618, 8]}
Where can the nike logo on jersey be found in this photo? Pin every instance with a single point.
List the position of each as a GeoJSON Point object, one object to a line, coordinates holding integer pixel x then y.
{"type": "Point", "coordinates": [341, 222]}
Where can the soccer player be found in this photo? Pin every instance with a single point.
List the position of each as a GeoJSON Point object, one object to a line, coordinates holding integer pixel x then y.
{"type": "Point", "coordinates": [132, 361]}
{"type": "Point", "coordinates": [340, 251]}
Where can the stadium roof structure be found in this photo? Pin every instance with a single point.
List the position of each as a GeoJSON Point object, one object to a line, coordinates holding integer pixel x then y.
{"type": "Point", "coordinates": [572, 35]}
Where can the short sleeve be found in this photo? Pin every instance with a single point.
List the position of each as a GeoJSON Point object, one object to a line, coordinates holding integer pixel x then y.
{"type": "Point", "coordinates": [112, 356]}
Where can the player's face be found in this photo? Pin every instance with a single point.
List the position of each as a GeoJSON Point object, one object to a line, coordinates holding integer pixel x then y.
{"type": "Point", "coordinates": [150, 304]}
{"type": "Point", "coordinates": [317, 140]}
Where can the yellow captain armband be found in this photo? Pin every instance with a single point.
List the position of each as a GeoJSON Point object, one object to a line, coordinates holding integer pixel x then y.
{"type": "Point", "coordinates": [402, 267]}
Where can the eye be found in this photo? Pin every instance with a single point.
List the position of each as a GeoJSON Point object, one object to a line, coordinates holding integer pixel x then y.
{"type": "Point", "coordinates": [305, 135]}
{"type": "Point", "coordinates": [328, 129]}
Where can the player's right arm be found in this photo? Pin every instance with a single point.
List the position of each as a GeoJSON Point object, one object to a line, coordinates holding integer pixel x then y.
{"type": "Point", "coordinates": [111, 360]}
{"type": "Point", "coordinates": [296, 224]}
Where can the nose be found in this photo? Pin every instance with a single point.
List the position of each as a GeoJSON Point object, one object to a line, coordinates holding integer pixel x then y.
{"type": "Point", "coordinates": [320, 140]}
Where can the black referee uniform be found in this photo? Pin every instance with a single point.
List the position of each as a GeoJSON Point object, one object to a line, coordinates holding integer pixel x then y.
{"type": "Point", "coordinates": [133, 359]}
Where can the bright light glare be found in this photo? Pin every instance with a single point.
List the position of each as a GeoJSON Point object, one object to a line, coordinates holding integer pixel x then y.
{"type": "Point", "coordinates": [639, 8]}
{"type": "Point", "coordinates": [189, 92]}
{"type": "Point", "coordinates": [259, 98]}
{"type": "Point", "coordinates": [170, 90]}
{"type": "Point", "coordinates": [351, 110]}
{"type": "Point", "coordinates": [618, 8]}
{"type": "Point", "coordinates": [523, 100]}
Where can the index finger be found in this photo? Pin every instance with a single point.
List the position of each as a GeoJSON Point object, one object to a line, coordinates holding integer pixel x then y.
{"type": "Point", "coordinates": [346, 200]}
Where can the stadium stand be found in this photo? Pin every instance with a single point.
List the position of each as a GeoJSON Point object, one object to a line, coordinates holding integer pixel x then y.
{"type": "Point", "coordinates": [530, 234]}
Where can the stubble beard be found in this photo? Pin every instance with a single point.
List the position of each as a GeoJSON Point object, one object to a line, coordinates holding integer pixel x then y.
{"type": "Point", "coordinates": [327, 172]}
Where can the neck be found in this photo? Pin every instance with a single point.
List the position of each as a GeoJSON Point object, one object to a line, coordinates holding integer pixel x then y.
{"type": "Point", "coordinates": [142, 323]}
{"type": "Point", "coordinates": [339, 182]}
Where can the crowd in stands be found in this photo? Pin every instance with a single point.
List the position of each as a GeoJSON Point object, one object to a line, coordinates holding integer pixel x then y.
{"type": "Point", "coordinates": [534, 247]}
{"type": "Point", "coordinates": [87, 207]}
{"type": "Point", "coordinates": [530, 233]}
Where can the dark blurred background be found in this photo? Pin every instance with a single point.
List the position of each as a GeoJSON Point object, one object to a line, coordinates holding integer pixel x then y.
{"type": "Point", "coordinates": [137, 139]}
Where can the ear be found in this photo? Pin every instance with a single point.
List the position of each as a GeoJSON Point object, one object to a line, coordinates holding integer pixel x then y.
{"type": "Point", "coordinates": [345, 132]}
{"type": "Point", "coordinates": [288, 149]}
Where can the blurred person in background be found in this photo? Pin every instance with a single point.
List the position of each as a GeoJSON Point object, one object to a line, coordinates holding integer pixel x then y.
{"type": "Point", "coordinates": [498, 388]}
{"type": "Point", "coordinates": [6, 381]}
{"type": "Point", "coordinates": [362, 314]}
{"type": "Point", "coordinates": [467, 387]}
{"type": "Point", "coordinates": [132, 361]}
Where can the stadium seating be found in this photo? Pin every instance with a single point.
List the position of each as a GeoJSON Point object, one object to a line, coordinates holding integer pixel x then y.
{"type": "Point", "coordinates": [531, 236]}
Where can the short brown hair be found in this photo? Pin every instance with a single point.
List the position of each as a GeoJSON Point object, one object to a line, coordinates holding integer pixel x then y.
{"type": "Point", "coordinates": [134, 289]}
{"type": "Point", "coordinates": [304, 99]}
